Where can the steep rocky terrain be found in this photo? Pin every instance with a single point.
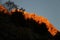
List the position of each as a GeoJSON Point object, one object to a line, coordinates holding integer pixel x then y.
{"type": "Point", "coordinates": [20, 25]}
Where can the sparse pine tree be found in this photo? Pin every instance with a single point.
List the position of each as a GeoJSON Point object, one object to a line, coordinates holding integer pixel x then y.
{"type": "Point", "coordinates": [10, 5]}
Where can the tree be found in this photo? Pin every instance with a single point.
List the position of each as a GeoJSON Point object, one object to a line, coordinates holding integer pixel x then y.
{"type": "Point", "coordinates": [10, 5]}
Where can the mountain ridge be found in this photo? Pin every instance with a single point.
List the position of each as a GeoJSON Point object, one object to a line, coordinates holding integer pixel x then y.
{"type": "Point", "coordinates": [23, 18]}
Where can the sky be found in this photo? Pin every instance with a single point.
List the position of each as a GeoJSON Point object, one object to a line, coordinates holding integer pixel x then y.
{"type": "Point", "coordinates": [50, 9]}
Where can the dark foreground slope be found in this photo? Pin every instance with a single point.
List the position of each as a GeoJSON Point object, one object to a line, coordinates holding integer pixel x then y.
{"type": "Point", "coordinates": [18, 25]}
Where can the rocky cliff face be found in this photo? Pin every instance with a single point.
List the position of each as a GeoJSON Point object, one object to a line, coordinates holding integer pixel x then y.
{"type": "Point", "coordinates": [19, 24]}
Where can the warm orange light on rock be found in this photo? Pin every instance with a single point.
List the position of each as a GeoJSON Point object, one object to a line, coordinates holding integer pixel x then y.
{"type": "Point", "coordinates": [38, 19]}
{"type": "Point", "coordinates": [41, 19]}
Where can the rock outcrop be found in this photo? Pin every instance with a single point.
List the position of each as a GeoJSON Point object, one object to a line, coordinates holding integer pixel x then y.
{"type": "Point", "coordinates": [20, 25]}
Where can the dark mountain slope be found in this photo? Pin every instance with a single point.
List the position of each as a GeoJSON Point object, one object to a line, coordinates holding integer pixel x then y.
{"type": "Point", "coordinates": [18, 25]}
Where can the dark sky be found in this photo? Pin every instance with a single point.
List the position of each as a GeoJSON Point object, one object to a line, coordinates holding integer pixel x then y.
{"type": "Point", "coordinates": [50, 9]}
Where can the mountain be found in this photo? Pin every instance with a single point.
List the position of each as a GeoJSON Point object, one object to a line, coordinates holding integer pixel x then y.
{"type": "Point", "coordinates": [21, 25]}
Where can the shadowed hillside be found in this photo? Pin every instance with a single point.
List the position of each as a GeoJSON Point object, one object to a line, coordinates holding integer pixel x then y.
{"type": "Point", "coordinates": [20, 25]}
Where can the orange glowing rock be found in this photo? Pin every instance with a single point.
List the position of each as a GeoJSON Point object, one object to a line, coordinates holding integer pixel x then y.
{"type": "Point", "coordinates": [3, 9]}
{"type": "Point", "coordinates": [41, 19]}
{"type": "Point", "coordinates": [38, 19]}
